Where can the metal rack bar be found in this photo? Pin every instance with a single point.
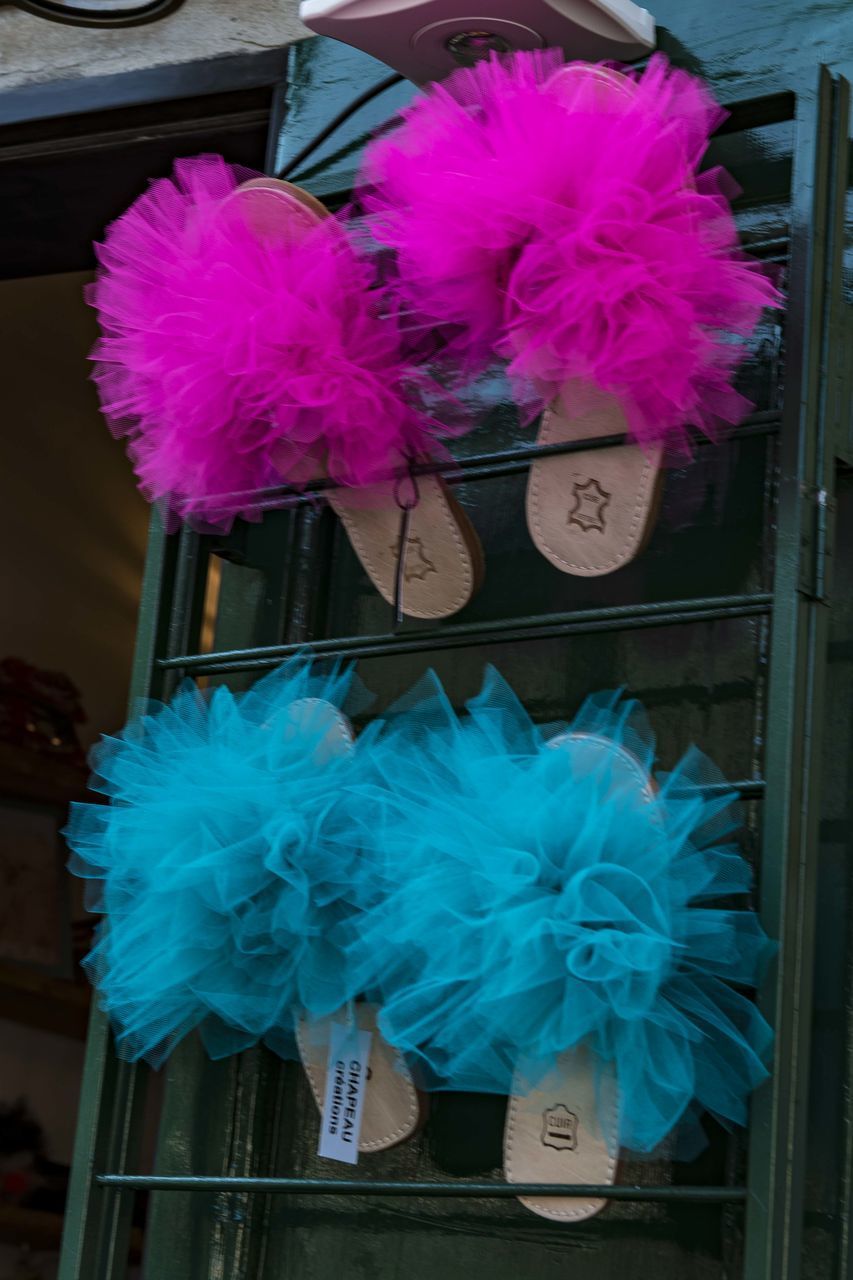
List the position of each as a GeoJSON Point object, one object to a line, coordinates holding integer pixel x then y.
{"type": "Point", "coordinates": [436, 1190]}
{"type": "Point", "coordinates": [748, 789]}
{"type": "Point", "coordinates": [756, 113]}
{"type": "Point", "coordinates": [665, 613]}
{"type": "Point", "coordinates": [476, 467]}
{"type": "Point", "coordinates": [775, 249]}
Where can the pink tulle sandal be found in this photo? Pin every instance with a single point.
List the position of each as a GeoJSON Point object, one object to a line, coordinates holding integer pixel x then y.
{"type": "Point", "coordinates": [243, 348]}
{"type": "Point", "coordinates": [555, 216]}
{"type": "Point", "coordinates": [443, 563]}
{"type": "Point", "coordinates": [593, 510]}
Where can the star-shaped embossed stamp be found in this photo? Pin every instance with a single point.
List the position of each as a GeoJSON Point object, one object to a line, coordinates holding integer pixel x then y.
{"type": "Point", "coordinates": [418, 564]}
{"type": "Point", "coordinates": [591, 502]}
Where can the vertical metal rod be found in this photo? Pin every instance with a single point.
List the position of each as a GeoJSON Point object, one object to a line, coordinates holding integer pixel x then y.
{"type": "Point", "coordinates": [96, 1230]}
{"type": "Point", "coordinates": [778, 1129]}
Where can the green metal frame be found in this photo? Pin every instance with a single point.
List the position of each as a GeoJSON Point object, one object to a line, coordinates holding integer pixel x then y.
{"type": "Point", "coordinates": [817, 347]}
{"type": "Point", "coordinates": [813, 431]}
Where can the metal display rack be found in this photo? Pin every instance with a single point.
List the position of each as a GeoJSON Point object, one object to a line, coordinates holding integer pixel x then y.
{"type": "Point", "coordinates": [812, 438]}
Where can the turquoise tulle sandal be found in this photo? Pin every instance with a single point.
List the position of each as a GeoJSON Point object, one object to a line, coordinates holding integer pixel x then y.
{"type": "Point", "coordinates": [229, 886]}
{"type": "Point", "coordinates": [563, 931]}
{"type": "Point", "coordinates": [566, 1127]}
{"type": "Point", "coordinates": [524, 911]}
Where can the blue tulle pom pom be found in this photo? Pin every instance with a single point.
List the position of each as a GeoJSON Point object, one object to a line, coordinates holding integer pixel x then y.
{"type": "Point", "coordinates": [543, 890]}
{"type": "Point", "coordinates": [219, 865]}
{"type": "Point", "coordinates": [504, 891]}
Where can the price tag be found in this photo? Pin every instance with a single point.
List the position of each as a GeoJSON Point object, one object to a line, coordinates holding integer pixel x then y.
{"type": "Point", "coordinates": [346, 1080]}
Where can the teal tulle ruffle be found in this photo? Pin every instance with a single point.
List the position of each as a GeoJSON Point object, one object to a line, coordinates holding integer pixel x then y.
{"type": "Point", "coordinates": [219, 867]}
{"type": "Point", "coordinates": [503, 891]}
{"type": "Point", "coordinates": [539, 895]}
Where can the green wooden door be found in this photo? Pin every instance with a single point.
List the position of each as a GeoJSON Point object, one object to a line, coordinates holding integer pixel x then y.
{"type": "Point", "coordinates": [733, 629]}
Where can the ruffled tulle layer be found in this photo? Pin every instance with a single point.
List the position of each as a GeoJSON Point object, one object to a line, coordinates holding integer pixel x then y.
{"type": "Point", "coordinates": [239, 353]}
{"type": "Point", "coordinates": [554, 216]}
{"type": "Point", "coordinates": [504, 892]}
{"type": "Point", "coordinates": [541, 893]}
{"type": "Point", "coordinates": [220, 866]}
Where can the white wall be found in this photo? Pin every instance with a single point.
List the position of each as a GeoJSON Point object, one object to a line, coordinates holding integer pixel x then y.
{"type": "Point", "coordinates": [72, 524]}
{"type": "Point", "coordinates": [33, 50]}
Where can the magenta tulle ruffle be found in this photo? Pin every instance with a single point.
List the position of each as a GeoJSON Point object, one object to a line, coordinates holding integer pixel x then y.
{"type": "Point", "coordinates": [233, 360]}
{"type": "Point", "coordinates": [555, 217]}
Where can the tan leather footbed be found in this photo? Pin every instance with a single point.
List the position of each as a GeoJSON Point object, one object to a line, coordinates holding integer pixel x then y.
{"type": "Point", "coordinates": [591, 512]}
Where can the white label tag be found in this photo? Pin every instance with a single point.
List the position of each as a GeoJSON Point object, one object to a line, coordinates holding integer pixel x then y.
{"type": "Point", "coordinates": [346, 1078]}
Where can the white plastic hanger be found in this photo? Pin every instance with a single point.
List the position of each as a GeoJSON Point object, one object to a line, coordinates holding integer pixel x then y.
{"type": "Point", "coordinates": [427, 39]}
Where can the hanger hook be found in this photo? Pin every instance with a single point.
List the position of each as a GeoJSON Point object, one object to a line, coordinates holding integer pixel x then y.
{"type": "Point", "coordinates": [407, 504]}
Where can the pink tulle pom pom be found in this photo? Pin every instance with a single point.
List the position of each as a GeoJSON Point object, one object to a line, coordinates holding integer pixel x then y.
{"type": "Point", "coordinates": [554, 216]}
{"type": "Point", "coordinates": [238, 353]}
